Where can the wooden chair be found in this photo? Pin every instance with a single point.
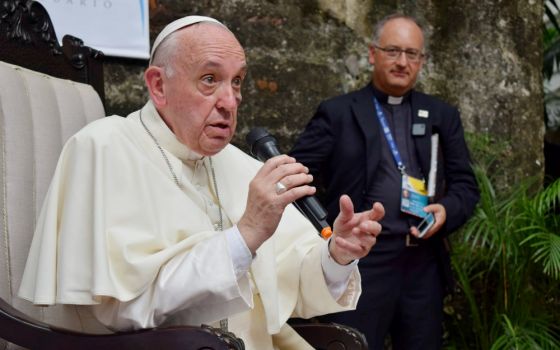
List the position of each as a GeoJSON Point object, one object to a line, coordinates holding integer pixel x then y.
{"type": "Point", "coordinates": [47, 93]}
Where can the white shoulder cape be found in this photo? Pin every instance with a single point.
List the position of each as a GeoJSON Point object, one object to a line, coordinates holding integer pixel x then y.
{"type": "Point", "coordinates": [113, 216]}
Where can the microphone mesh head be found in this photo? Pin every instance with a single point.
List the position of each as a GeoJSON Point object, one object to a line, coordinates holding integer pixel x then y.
{"type": "Point", "coordinates": [257, 136]}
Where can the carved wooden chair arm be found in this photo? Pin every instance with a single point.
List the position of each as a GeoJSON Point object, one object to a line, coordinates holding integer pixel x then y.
{"type": "Point", "coordinates": [19, 329]}
{"type": "Point", "coordinates": [331, 336]}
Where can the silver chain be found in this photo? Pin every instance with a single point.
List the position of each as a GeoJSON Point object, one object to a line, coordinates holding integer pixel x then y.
{"type": "Point", "coordinates": [161, 150]}
{"type": "Point", "coordinates": [221, 222]}
{"type": "Point", "coordinates": [223, 322]}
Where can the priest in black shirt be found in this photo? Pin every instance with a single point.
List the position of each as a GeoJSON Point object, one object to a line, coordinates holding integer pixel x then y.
{"type": "Point", "coordinates": [378, 145]}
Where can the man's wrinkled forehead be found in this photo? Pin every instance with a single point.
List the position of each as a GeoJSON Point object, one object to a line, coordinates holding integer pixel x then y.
{"type": "Point", "coordinates": [176, 25]}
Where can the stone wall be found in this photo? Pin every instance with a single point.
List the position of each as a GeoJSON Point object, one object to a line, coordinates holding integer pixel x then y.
{"type": "Point", "coordinates": [484, 57]}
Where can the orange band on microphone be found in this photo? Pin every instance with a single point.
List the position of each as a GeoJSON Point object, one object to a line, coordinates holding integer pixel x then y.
{"type": "Point", "coordinates": [326, 232]}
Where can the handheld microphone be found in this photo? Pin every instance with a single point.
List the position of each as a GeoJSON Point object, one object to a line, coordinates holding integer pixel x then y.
{"type": "Point", "coordinates": [263, 146]}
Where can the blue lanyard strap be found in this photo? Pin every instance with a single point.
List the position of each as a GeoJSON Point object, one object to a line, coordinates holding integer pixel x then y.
{"type": "Point", "coordinates": [389, 136]}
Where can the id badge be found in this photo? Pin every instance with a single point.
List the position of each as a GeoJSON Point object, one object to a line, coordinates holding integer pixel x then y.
{"type": "Point", "coordinates": [414, 196]}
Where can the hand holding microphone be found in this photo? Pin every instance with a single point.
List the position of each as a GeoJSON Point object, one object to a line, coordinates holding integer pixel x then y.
{"type": "Point", "coordinates": [355, 233]}
{"type": "Point", "coordinates": [265, 206]}
{"type": "Point", "coordinates": [264, 146]}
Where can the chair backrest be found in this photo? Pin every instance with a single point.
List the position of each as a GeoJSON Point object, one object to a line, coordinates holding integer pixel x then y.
{"type": "Point", "coordinates": [38, 113]}
{"type": "Point", "coordinates": [27, 39]}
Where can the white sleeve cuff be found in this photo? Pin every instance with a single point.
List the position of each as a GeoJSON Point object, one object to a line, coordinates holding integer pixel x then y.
{"type": "Point", "coordinates": [240, 254]}
{"type": "Point", "coordinates": [336, 275]}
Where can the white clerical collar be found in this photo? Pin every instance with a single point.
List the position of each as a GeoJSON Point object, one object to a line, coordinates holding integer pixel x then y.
{"type": "Point", "coordinates": [165, 136]}
{"type": "Point", "coordinates": [392, 100]}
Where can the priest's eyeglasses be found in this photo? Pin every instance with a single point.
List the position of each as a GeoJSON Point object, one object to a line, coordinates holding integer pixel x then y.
{"type": "Point", "coordinates": [394, 52]}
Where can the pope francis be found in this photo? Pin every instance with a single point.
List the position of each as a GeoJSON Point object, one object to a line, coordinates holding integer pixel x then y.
{"type": "Point", "coordinates": [155, 219]}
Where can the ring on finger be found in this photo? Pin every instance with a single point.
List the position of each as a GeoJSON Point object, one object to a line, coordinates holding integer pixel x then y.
{"type": "Point", "coordinates": [280, 188]}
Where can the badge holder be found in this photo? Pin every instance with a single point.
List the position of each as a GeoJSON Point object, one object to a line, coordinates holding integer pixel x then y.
{"type": "Point", "coordinates": [414, 197]}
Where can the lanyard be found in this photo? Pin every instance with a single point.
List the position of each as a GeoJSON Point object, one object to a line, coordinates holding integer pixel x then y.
{"type": "Point", "coordinates": [389, 136]}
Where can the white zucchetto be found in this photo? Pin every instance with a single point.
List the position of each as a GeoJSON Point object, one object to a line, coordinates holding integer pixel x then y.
{"type": "Point", "coordinates": [176, 25]}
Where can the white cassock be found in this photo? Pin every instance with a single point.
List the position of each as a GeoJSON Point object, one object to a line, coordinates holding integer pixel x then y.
{"type": "Point", "coordinates": [117, 233]}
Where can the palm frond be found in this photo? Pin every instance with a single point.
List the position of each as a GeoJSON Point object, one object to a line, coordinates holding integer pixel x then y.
{"type": "Point", "coordinates": [530, 334]}
{"type": "Point", "coordinates": [550, 14]}
{"type": "Point", "coordinates": [551, 58]}
{"type": "Point", "coordinates": [543, 229]}
{"type": "Point", "coordinates": [507, 261]}
{"type": "Point", "coordinates": [549, 198]}
{"type": "Point", "coordinates": [546, 251]}
{"type": "Point", "coordinates": [553, 3]}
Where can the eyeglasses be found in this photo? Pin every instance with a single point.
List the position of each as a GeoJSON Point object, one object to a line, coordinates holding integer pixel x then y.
{"type": "Point", "coordinates": [394, 53]}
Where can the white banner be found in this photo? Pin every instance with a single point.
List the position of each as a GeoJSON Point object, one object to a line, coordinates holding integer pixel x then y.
{"type": "Point", "coordinates": [115, 27]}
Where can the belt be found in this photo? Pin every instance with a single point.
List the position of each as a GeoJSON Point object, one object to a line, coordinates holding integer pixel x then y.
{"type": "Point", "coordinates": [409, 240]}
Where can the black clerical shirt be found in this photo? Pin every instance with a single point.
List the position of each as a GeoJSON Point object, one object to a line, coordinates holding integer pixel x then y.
{"type": "Point", "coordinates": [386, 185]}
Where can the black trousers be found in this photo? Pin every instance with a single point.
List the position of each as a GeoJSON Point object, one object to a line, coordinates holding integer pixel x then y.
{"type": "Point", "coordinates": [402, 295]}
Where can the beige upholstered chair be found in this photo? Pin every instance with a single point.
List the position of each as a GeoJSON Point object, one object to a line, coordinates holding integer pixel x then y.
{"type": "Point", "coordinates": [37, 114]}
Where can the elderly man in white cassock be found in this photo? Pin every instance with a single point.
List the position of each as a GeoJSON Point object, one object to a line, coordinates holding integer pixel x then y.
{"type": "Point", "coordinates": [155, 219]}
